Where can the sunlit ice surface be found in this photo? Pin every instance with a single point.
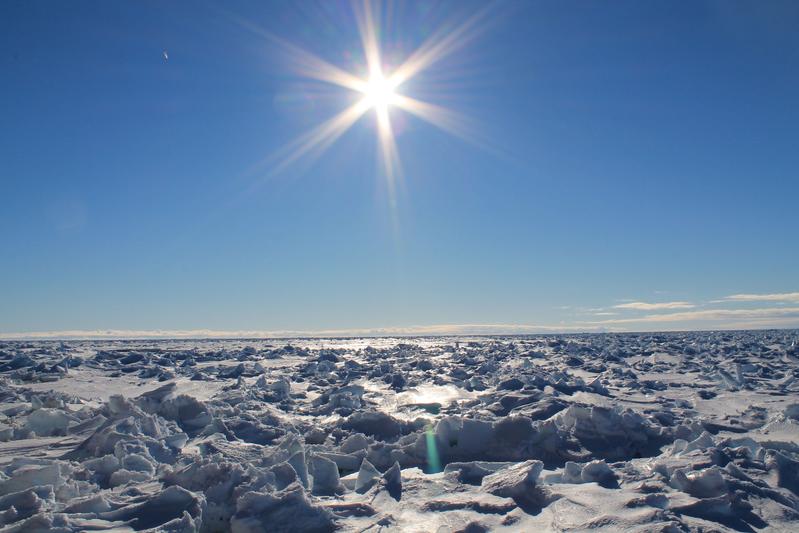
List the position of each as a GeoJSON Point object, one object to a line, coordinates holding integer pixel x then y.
{"type": "Point", "coordinates": [428, 394]}
{"type": "Point", "coordinates": [379, 89]}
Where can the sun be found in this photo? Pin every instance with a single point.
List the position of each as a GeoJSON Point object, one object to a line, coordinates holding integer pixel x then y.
{"type": "Point", "coordinates": [380, 92]}
{"type": "Point", "coordinates": [377, 89]}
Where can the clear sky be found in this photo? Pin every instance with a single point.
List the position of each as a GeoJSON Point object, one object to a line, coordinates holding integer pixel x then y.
{"type": "Point", "coordinates": [629, 165]}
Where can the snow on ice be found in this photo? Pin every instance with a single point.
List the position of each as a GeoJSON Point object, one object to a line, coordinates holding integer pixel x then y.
{"type": "Point", "coordinates": [614, 432]}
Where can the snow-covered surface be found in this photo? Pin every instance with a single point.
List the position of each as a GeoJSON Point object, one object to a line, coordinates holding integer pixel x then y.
{"type": "Point", "coordinates": [627, 432]}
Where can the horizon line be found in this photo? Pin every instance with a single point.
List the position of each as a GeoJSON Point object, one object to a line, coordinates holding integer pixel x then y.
{"type": "Point", "coordinates": [440, 330]}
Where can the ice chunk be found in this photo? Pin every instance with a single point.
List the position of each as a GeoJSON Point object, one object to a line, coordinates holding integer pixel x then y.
{"type": "Point", "coordinates": [705, 483]}
{"type": "Point", "coordinates": [355, 442]}
{"type": "Point", "coordinates": [102, 467]}
{"type": "Point", "coordinates": [374, 423]}
{"type": "Point", "coordinates": [297, 462]}
{"type": "Point", "coordinates": [392, 481]}
{"type": "Point", "coordinates": [123, 477]}
{"type": "Point", "coordinates": [282, 512]}
{"type": "Point", "coordinates": [787, 470]}
{"type": "Point", "coordinates": [344, 462]}
{"type": "Point", "coordinates": [325, 475]}
{"type": "Point", "coordinates": [20, 505]}
{"type": "Point", "coordinates": [367, 477]}
{"type": "Point", "coordinates": [47, 422]}
{"type": "Point", "coordinates": [284, 474]}
{"type": "Point", "coordinates": [315, 436]}
{"type": "Point", "coordinates": [512, 437]}
{"type": "Point", "coordinates": [598, 472]}
{"type": "Point", "coordinates": [28, 476]}
{"type": "Point", "coordinates": [189, 413]}
{"type": "Point", "coordinates": [160, 510]}
{"type": "Point", "coordinates": [279, 389]}
{"type": "Point", "coordinates": [472, 439]}
{"type": "Point", "coordinates": [704, 441]}
{"type": "Point", "coordinates": [95, 503]}
{"type": "Point", "coordinates": [515, 480]}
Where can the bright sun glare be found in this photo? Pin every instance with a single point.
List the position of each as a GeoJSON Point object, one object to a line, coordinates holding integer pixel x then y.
{"type": "Point", "coordinates": [380, 92]}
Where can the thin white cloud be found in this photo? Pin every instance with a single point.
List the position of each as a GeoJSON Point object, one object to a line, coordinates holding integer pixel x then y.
{"type": "Point", "coordinates": [645, 306]}
{"type": "Point", "coordinates": [767, 323]}
{"type": "Point", "coordinates": [707, 315]}
{"type": "Point", "coordinates": [776, 297]}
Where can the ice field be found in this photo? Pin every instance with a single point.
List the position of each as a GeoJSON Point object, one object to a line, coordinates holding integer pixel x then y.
{"type": "Point", "coordinates": [610, 432]}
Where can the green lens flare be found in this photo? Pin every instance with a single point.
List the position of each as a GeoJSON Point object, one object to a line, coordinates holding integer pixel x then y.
{"type": "Point", "coordinates": [433, 461]}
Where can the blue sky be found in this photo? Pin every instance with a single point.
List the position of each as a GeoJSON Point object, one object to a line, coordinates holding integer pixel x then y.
{"type": "Point", "coordinates": [635, 168]}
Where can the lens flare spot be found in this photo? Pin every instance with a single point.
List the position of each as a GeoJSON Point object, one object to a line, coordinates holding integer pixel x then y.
{"type": "Point", "coordinates": [433, 460]}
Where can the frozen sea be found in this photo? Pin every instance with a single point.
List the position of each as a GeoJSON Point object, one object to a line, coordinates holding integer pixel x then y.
{"type": "Point", "coordinates": [605, 432]}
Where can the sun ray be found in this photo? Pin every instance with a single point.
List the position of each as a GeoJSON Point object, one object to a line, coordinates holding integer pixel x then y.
{"type": "Point", "coordinates": [302, 62]}
{"type": "Point", "coordinates": [368, 32]}
{"type": "Point", "coordinates": [437, 47]}
{"type": "Point", "coordinates": [441, 117]}
{"type": "Point", "coordinates": [388, 148]}
{"type": "Point", "coordinates": [322, 136]}
{"type": "Point", "coordinates": [312, 67]}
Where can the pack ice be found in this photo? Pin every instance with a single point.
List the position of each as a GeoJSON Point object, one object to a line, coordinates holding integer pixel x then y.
{"type": "Point", "coordinates": [613, 432]}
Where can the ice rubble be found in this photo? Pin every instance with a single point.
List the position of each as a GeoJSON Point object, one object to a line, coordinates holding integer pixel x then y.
{"type": "Point", "coordinates": [666, 432]}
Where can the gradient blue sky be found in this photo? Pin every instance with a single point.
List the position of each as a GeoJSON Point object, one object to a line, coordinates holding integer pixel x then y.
{"type": "Point", "coordinates": [639, 153]}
